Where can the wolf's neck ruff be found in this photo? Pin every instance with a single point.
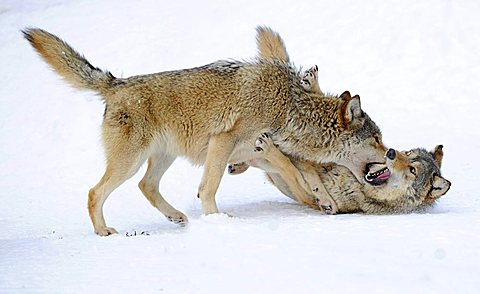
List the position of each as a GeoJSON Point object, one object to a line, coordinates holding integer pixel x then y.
{"type": "Point", "coordinates": [313, 124]}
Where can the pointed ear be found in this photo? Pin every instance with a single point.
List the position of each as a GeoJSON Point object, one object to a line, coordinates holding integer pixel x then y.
{"type": "Point", "coordinates": [353, 109]}
{"type": "Point", "coordinates": [437, 154]}
{"type": "Point", "coordinates": [440, 186]}
{"type": "Point", "coordinates": [346, 96]}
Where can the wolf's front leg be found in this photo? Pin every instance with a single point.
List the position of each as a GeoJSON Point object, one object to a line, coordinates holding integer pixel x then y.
{"type": "Point", "coordinates": [220, 148]}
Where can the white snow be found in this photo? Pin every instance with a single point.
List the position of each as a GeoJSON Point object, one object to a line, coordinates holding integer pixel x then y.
{"type": "Point", "coordinates": [416, 65]}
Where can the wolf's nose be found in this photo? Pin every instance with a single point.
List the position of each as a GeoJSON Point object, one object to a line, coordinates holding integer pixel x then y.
{"type": "Point", "coordinates": [391, 154]}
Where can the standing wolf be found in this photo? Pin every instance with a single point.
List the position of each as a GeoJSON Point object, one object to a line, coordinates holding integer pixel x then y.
{"type": "Point", "coordinates": [212, 115]}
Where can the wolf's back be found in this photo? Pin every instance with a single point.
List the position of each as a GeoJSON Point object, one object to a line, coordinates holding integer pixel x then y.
{"type": "Point", "coordinates": [68, 63]}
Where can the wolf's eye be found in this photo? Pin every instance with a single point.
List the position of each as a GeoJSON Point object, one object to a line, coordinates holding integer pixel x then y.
{"type": "Point", "coordinates": [408, 153]}
{"type": "Point", "coordinates": [413, 170]}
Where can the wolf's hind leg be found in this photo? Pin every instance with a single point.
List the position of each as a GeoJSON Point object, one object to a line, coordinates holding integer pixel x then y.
{"type": "Point", "coordinates": [289, 173]}
{"type": "Point", "coordinates": [157, 165]}
{"type": "Point", "coordinates": [117, 172]}
{"type": "Point", "coordinates": [301, 183]}
{"type": "Point", "coordinates": [323, 198]}
{"type": "Point", "coordinates": [220, 148]}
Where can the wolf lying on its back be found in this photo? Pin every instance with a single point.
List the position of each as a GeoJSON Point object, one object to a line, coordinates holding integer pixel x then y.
{"type": "Point", "coordinates": [212, 115]}
{"type": "Point", "coordinates": [414, 180]}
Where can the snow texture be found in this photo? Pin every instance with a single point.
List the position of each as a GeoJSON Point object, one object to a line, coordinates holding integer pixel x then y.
{"type": "Point", "coordinates": [416, 65]}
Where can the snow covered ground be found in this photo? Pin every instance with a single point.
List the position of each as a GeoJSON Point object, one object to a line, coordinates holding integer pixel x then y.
{"type": "Point", "coordinates": [416, 65]}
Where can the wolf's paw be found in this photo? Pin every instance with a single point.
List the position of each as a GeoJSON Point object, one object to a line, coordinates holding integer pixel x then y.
{"type": "Point", "coordinates": [309, 78]}
{"type": "Point", "coordinates": [178, 218]}
{"type": "Point", "coordinates": [237, 168]}
{"type": "Point", "coordinates": [105, 231]}
{"type": "Point", "coordinates": [326, 206]}
{"type": "Point", "coordinates": [264, 143]}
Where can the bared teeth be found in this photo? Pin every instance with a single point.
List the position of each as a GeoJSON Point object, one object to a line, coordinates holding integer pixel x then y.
{"type": "Point", "coordinates": [377, 178]}
{"type": "Point", "coordinates": [376, 174]}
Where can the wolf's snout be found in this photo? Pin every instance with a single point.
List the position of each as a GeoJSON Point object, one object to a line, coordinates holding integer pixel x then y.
{"type": "Point", "coordinates": [391, 154]}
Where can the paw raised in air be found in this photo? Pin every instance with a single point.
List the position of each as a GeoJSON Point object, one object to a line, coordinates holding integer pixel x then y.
{"type": "Point", "coordinates": [310, 78]}
{"type": "Point", "coordinates": [263, 143]}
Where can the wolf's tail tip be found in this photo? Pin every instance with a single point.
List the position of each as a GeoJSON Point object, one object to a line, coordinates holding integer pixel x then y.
{"type": "Point", "coordinates": [29, 32]}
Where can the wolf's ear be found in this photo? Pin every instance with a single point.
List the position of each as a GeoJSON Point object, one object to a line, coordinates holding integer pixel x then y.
{"type": "Point", "coordinates": [346, 96]}
{"type": "Point", "coordinates": [440, 186]}
{"type": "Point", "coordinates": [353, 109]}
{"type": "Point", "coordinates": [437, 154]}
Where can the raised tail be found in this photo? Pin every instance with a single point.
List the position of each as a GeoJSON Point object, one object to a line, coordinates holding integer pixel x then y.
{"type": "Point", "coordinates": [68, 63]}
{"type": "Point", "coordinates": [270, 45]}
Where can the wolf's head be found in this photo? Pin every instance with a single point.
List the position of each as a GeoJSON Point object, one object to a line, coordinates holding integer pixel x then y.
{"type": "Point", "coordinates": [333, 129]}
{"type": "Point", "coordinates": [408, 181]}
{"type": "Point", "coordinates": [338, 129]}
{"type": "Point", "coordinates": [360, 140]}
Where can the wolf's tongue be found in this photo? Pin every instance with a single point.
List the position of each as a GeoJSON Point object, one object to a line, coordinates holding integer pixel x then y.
{"type": "Point", "coordinates": [385, 175]}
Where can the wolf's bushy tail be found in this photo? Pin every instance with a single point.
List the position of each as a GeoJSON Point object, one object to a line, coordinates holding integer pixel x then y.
{"type": "Point", "coordinates": [68, 63]}
{"type": "Point", "coordinates": [270, 45]}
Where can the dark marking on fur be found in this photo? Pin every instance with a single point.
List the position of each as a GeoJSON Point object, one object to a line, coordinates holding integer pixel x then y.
{"type": "Point", "coordinates": [368, 129]}
{"type": "Point", "coordinates": [432, 188]}
{"type": "Point", "coordinates": [105, 111]}
{"type": "Point", "coordinates": [124, 118]}
{"type": "Point", "coordinates": [225, 66]}
{"type": "Point", "coordinates": [429, 170]}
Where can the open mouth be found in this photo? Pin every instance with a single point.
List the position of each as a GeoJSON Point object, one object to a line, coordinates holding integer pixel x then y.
{"type": "Point", "coordinates": [377, 174]}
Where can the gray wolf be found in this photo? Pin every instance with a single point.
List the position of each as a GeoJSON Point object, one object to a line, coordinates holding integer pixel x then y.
{"type": "Point", "coordinates": [408, 181]}
{"type": "Point", "coordinates": [211, 115]}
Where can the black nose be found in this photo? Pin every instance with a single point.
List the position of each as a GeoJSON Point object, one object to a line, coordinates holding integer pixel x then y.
{"type": "Point", "coordinates": [391, 154]}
